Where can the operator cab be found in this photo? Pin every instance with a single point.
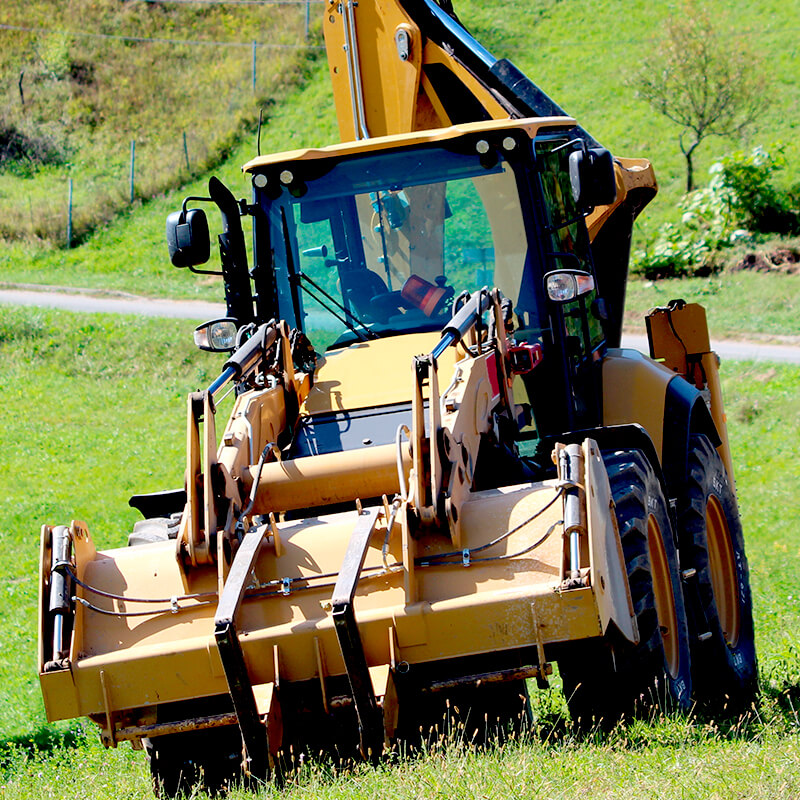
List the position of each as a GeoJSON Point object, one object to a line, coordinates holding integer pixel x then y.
{"type": "Point", "coordinates": [378, 238]}
{"type": "Point", "coordinates": [380, 243]}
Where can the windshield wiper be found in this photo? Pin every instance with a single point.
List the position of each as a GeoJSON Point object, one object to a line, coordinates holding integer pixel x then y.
{"type": "Point", "coordinates": [362, 335]}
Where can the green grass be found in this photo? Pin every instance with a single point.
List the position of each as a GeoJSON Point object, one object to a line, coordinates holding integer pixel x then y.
{"type": "Point", "coordinates": [130, 253]}
{"type": "Point", "coordinates": [94, 410]}
{"type": "Point", "coordinates": [739, 305]}
{"type": "Point", "coordinates": [667, 759]}
{"type": "Point", "coordinates": [88, 97]}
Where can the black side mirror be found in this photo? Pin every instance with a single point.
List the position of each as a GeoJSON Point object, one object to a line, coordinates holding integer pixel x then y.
{"type": "Point", "coordinates": [188, 238]}
{"type": "Point", "coordinates": [591, 173]}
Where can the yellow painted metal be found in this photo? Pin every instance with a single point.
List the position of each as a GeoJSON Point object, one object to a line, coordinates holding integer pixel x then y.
{"type": "Point", "coordinates": [371, 374]}
{"type": "Point", "coordinates": [389, 84]}
{"type": "Point", "coordinates": [326, 479]}
{"type": "Point", "coordinates": [634, 391]}
{"type": "Point", "coordinates": [710, 365]}
{"type": "Point", "coordinates": [460, 611]}
{"type": "Point", "coordinates": [606, 559]}
{"type": "Point", "coordinates": [661, 575]}
{"type": "Point", "coordinates": [531, 126]}
{"type": "Point", "coordinates": [636, 184]}
{"type": "Point", "coordinates": [679, 339]}
{"type": "Point", "coordinates": [398, 97]}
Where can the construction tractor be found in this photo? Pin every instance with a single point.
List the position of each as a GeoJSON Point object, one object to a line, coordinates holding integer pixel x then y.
{"type": "Point", "coordinates": [440, 474]}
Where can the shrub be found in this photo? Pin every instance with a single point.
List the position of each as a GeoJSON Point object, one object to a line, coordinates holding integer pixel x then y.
{"type": "Point", "coordinates": [756, 203]}
{"type": "Point", "coordinates": [21, 152]}
{"type": "Point", "coordinates": [740, 203]}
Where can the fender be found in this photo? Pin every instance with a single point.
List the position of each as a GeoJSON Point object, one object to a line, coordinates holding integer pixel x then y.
{"type": "Point", "coordinates": [685, 413]}
{"type": "Point", "coordinates": [644, 394]}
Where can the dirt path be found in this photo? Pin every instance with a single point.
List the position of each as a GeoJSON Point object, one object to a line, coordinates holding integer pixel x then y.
{"type": "Point", "coordinates": [120, 303]}
{"type": "Point", "coordinates": [109, 302]}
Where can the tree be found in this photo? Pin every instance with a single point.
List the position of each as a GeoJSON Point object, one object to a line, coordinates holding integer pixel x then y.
{"type": "Point", "coordinates": [704, 80]}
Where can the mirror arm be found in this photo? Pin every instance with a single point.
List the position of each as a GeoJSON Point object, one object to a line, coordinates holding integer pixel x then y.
{"type": "Point", "coordinates": [205, 271]}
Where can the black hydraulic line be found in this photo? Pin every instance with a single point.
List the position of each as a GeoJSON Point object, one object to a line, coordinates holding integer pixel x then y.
{"type": "Point", "coordinates": [427, 559]}
{"type": "Point", "coordinates": [173, 609]}
{"type": "Point", "coordinates": [466, 558]}
{"type": "Point", "coordinates": [112, 596]}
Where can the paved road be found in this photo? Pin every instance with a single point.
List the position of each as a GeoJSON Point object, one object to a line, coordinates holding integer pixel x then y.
{"type": "Point", "coordinates": [113, 304]}
{"type": "Point", "coordinates": [736, 351]}
{"type": "Point", "coordinates": [73, 300]}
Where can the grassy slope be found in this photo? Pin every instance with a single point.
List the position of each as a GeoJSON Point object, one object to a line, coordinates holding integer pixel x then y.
{"type": "Point", "coordinates": [740, 305]}
{"type": "Point", "coordinates": [82, 377]}
{"type": "Point", "coordinates": [88, 97]}
{"type": "Point", "coordinates": [579, 52]}
{"type": "Point", "coordinates": [130, 252]}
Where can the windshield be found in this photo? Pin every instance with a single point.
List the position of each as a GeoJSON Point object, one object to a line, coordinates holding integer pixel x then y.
{"type": "Point", "coordinates": [382, 244]}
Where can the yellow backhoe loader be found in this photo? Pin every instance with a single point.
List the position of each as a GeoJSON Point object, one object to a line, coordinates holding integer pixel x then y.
{"type": "Point", "coordinates": [440, 473]}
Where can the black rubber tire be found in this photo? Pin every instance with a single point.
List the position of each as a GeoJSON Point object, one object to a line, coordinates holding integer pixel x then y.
{"type": "Point", "coordinates": [206, 760]}
{"type": "Point", "coordinates": [725, 673]}
{"type": "Point", "coordinates": [606, 680]}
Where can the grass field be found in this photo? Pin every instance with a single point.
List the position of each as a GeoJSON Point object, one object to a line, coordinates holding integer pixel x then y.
{"type": "Point", "coordinates": [94, 411]}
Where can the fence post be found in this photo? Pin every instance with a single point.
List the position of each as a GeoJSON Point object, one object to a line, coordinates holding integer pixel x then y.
{"type": "Point", "coordinates": [69, 215]}
{"type": "Point", "coordinates": [133, 162]}
{"type": "Point", "coordinates": [254, 66]}
{"type": "Point", "coordinates": [186, 151]}
{"type": "Point", "coordinates": [308, 16]}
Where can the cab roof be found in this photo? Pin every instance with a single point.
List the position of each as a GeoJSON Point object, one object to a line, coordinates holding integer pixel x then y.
{"type": "Point", "coordinates": [531, 126]}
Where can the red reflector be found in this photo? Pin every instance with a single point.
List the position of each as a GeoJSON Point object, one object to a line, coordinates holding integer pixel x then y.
{"type": "Point", "coordinates": [524, 357]}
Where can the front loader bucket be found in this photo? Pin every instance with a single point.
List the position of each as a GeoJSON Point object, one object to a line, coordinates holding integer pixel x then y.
{"type": "Point", "coordinates": [423, 618]}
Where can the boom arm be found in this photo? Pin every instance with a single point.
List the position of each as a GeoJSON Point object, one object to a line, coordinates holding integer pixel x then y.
{"type": "Point", "coordinates": [405, 65]}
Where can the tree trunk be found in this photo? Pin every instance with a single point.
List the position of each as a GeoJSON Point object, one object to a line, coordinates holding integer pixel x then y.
{"type": "Point", "coordinates": [689, 163]}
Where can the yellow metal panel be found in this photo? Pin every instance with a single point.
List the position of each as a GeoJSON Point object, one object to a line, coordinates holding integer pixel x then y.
{"type": "Point", "coordinates": [633, 175]}
{"type": "Point", "coordinates": [677, 333]}
{"type": "Point", "coordinates": [370, 374]}
{"type": "Point", "coordinates": [388, 83]}
{"type": "Point", "coordinates": [634, 391]}
{"type": "Point", "coordinates": [164, 656]}
{"type": "Point", "coordinates": [679, 338]}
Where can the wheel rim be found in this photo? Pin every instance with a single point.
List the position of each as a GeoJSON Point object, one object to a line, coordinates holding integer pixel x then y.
{"type": "Point", "coordinates": [664, 597]}
{"type": "Point", "coordinates": [722, 567]}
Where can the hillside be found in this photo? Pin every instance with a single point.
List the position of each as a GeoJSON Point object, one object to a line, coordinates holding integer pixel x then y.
{"type": "Point", "coordinates": [87, 86]}
{"type": "Point", "coordinates": [110, 91]}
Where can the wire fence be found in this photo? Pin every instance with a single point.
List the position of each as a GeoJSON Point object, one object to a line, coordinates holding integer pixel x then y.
{"type": "Point", "coordinates": [198, 122]}
{"type": "Point", "coordinates": [63, 208]}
